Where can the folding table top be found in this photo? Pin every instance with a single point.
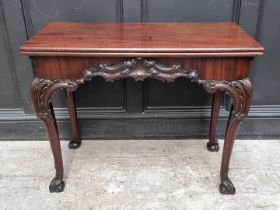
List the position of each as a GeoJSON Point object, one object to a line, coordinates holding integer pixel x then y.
{"type": "Point", "coordinates": [121, 39]}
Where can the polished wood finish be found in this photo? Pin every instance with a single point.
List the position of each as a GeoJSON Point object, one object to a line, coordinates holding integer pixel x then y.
{"type": "Point", "coordinates": [71, 104]}
{"type": "Point", "coordinates": [215, 55]}
{"type": "Point", "coordinates": [241, 92]}
{"type": "Point", "coordinates": [122, 39]}
{"type": "Point", "coordinates": [213, 145]}
{"type": "Point", "coordinates": [44, 111]}
{"type": "Point", "coordinates": [208, 68]}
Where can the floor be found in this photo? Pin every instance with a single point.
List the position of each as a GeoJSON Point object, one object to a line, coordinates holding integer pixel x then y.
{"type": "Point", "coordinates": [139, 175]}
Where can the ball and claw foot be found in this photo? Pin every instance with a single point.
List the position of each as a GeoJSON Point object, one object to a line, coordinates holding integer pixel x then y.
{"type": "Point", "coordinates": [74, 144]}
{"type": "Point", "coordinates": [213, 147]}
{"type": "Point", "coordinates": [57, 185]}
{"type": "Point", "coordinates": [226, 187]}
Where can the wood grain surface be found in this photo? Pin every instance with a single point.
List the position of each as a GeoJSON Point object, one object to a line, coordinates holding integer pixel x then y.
{"type": "Point", "coordinates": [136, 39]}
{"type": "Point", "coordinates": [207, 68]}
{"type": "Point", "coordinates": [56, 54]}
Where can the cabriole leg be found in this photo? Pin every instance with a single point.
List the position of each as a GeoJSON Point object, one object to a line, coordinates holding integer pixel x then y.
{"type": "Point", "coordinates": [57, 184]}
{"type": "Point", "coordinates": [241, 92]}
{"type": "Point", "coordinates": [41, 92]}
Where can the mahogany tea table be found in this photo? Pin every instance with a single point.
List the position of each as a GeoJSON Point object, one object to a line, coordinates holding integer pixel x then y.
{"type": "Point", "coordinates": [215, 55]}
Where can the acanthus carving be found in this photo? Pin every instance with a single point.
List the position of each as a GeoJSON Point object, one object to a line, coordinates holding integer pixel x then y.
{"type": "Point", "coordinates": [41, 91]}
{"type": "Point", "coordinates": [240, 91]}
{"type": "Point", "coordinates": [139, 69]}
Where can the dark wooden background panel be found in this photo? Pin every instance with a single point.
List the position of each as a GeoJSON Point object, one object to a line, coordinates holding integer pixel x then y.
{"type": "Point", "coordinates": [181, 95]}
{"type": "Point", "coordinates": [9, 83]}
{"type": "Point", "coordinates": [191, 10]}
{"type": "Point", "coordinates": [266, 71]}
{"type": "Point", "coordinates": [43, 12]}
{"type": "Point", "coordinates": [95, 94]}
{"type": "Point", "coordinates": [20, 67]}
{"type": "Point", "coordinates": [99, 95]}
{"type": "Point", "coordinates": [7, 86]}
{"type": "Point", "coordinates": [249, 15]}
{"type": "Point", "coordinates": [128, 109]}
{"type": "Point", "coordinates": [132, 10]}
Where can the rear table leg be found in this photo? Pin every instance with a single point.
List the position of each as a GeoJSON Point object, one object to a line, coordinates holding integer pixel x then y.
{"type": "Point", "coordinates": [71, 104]}
{"type": "Point", "coordinates": [212, 144]}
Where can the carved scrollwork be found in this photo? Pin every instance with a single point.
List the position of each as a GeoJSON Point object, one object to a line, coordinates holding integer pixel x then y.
{"type": "Point", "coordinates": [240, 90]}
{"type": "Point", "coordinates": [139, 69]}
{"type": "Point", "coordinates": [41, 91]}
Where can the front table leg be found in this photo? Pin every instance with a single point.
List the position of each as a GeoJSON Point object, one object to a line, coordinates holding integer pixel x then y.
{"type": "Point", "coordinates": [241, 92]}
{"type": "Point", "coordinates": [41, 92]}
